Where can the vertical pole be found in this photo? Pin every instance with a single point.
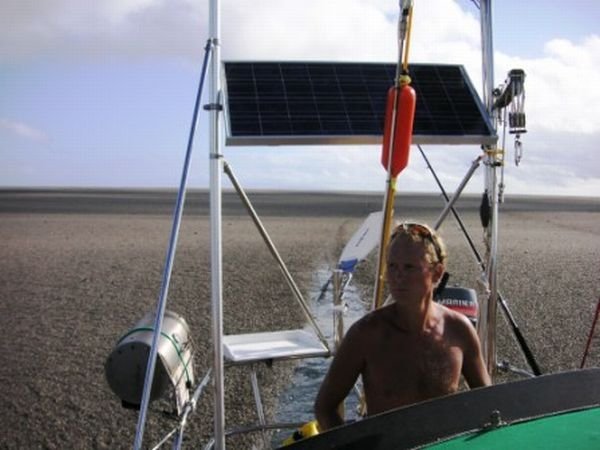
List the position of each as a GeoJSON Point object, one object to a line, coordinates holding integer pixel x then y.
{"type": "Point", "coordinates": [388, 215]}
{"type": "Point", "coordinates": [260, 410]}
{"type": "Point", "coordinates": [338, 308]}
{"type": "Point", "coordinates": [338, 319]}
{"type": "Point", "coordinates": [216, 260]}
{"type": "Point", "coordinates": [487, 53]}
{"type": "Point", "coordinates": [488, 330]}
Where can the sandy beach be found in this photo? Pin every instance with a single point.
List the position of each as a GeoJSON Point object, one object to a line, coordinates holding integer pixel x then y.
{"type": "Point", "coordinates": [79, 269]}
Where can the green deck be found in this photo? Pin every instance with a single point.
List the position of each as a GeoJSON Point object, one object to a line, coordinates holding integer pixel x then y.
{"type": "Point", "coordinates": [575, 430]}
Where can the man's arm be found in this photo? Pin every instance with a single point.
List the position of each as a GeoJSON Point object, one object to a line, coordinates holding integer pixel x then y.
{"type": "Point", "coordinates": [341, 377]}
{"type": "Point", "coordinates": [474, 369]}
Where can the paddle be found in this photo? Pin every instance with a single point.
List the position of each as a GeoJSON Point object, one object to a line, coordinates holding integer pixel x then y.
{"type": "Point", "coordinates": [362, 242]}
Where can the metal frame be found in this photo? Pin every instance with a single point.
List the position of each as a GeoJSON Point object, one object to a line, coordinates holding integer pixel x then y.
{"type": "Point", "coordinates": [487, 328]}
{"type": "Point", "coordinates": [216, 260]}
{"type": "Point", "coordinates": [355, 140]}
{"type": "Point", "coordinates": [216, 168]}
{"type": "Point", "coordinates": [360, 139]}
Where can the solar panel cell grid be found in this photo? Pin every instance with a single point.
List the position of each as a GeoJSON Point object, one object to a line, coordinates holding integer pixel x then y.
{"type": "Point", "coordinates": [297, 102]}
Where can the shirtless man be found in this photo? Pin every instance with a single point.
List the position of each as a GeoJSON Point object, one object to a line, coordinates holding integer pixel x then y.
{"type": "Point", "coordinates": [411, 350]}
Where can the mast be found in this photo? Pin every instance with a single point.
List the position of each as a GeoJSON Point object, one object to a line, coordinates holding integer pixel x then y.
{"type": "Point", "coordinates": [487, 330]}
{"type": "Point", "coordinates": [216, 261]}
{"type": "Point", "coordinates": [397, 138]}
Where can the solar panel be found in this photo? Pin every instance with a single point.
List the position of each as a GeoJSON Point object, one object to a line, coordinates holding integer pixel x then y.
{"type": "Point", "coordinates": [303, 103]}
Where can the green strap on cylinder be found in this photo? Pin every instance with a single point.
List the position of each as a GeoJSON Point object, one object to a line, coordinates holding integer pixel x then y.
{"type": "Point", "coordinates": [169, 338]}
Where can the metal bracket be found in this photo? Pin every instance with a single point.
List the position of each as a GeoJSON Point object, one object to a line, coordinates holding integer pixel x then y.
{"type": "Point", "coordinates": [495, 421]}
{"type": "Point", "coordinates": [213, 107]}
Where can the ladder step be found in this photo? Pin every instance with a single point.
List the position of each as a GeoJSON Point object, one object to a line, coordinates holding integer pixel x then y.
{"type": "Point", "coordinates": [285, 344]}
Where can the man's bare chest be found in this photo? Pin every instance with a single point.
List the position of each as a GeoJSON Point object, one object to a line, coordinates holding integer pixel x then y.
{"type": "Point", "coordinates": [423, 366]}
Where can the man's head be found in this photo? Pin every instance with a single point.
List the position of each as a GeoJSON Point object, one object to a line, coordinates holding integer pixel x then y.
{"type": "Point", "coordinates": [415, 260]}
{"type": "Point", "coordinates": [435, 249]}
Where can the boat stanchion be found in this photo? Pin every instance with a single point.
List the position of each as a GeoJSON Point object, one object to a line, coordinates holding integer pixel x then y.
{"type": "Point", "coordinates": [338, 308]}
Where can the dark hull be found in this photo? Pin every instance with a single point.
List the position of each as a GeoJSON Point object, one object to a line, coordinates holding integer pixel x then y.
{"type": "Point", "coordinates": [485, 410]}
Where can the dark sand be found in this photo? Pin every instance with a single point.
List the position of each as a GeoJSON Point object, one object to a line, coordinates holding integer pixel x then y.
{"type": "Point", "coordinates": [77, 271]}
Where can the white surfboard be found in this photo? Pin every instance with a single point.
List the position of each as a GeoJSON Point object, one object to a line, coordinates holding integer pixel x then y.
{"type": "Point", "coordinates": [364, 240]}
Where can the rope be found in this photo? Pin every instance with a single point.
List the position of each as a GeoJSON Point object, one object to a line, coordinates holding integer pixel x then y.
{"type": "Point", "coordinates": [591, 335]}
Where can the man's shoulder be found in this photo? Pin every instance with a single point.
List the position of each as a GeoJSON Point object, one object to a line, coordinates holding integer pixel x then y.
{"type": "Point", "coordinates": [457, 323]}
{"type": "Point", "coordinates": [371, 320]}
{"type": "Point", "coordinates": [453, 317]}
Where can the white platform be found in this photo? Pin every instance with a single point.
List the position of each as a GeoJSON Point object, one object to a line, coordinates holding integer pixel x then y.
{"type": "Point", "coordinates": [286, 344]}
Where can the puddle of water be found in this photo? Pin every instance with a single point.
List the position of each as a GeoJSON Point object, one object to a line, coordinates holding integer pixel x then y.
{"type": "Point", "coordinates": [296, 402]}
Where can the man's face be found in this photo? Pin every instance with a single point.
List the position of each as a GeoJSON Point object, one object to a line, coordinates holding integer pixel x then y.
{"type": "Point", "coordinates": [410, 276]}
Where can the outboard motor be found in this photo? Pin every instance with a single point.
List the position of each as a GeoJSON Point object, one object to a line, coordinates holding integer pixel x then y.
{"type": "Point", "coordinates": [125, 367]}
{"type": "Point", "coordinates": [462, 300]}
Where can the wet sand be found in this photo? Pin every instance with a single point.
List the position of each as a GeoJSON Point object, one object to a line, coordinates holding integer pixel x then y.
{"type": "Point", "coordinates": [79, 269]}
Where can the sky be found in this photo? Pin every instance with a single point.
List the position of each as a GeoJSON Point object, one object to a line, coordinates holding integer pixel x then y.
{"type": "Point", "coordinates": [101, 93]}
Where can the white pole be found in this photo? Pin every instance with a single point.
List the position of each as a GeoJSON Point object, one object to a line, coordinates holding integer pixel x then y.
{"type": "Point", "coordinates": [216, 260]}
{"type": "Point", "coordinates": [487, 53]}
{"type": "Point", "coordinates": [488, 332]}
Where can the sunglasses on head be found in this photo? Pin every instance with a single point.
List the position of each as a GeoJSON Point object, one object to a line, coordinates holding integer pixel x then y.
{"type": "Point", "coordinates": [421, 230]}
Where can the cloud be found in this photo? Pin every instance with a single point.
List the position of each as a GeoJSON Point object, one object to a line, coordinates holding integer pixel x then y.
{"type": "Point", "coordinates": [563, 93]}
{"type": "Point", "coordinates": [562, 89]}
{"type": "Point", "coordinates": [312, 29]}
{"type": "Point", "coordinates": [72, 30]}
{"type": "Point", "coordinates": [275, 29]}
{"type": "Point", "coordinates": [23, 130]}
